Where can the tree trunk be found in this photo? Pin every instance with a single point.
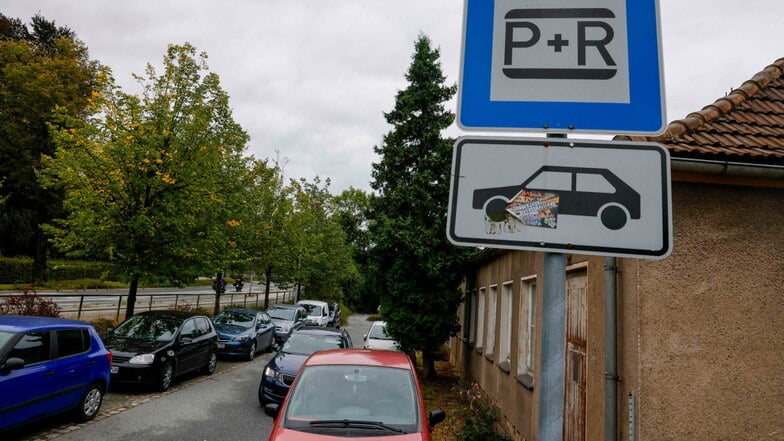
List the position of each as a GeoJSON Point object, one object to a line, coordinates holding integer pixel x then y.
{"type": "Point", "coordinates": [129, 307]}
{"type": "Point", "coordinates": [40, 258]}
{"type": "Point", "coordinates": [267, 276]}
{"type": "Point", "coordinates": [428, 365]}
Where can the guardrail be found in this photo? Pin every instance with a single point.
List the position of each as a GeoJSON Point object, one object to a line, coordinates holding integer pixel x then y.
{"type": "Point", "coordinates": [85, 305]}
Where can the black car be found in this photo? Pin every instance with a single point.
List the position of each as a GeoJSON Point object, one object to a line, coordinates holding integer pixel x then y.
{"type": "Point", "coordinates": [281, 370]}
{"type": "Point", "coordinates": [153, 347]}
{"type": "Point", "coordinates": [335, 315]}
{"type": "Point", "coordinates": [243, 332]}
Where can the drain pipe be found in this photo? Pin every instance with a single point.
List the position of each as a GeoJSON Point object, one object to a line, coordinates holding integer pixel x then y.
{"type": "Point", "coordinates": [610, 350]}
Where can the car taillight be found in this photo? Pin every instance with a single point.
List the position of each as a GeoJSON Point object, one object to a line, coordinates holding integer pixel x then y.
{"type": "Point", "coordinates": [109, 356]}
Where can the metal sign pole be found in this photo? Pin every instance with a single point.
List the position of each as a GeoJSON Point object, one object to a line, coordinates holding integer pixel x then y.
{"type": "Point", "coordinates": [553, 343]}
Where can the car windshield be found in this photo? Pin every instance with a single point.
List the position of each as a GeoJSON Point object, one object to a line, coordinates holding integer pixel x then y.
{"type": "Point", "coordinates": [148, 328]}
{"type": "Point", "coordinates": [4, 337]}
{"type": "Point", "coordinates": [306, 344]}
{"type": "Point", "coordinates": [312, 309]}
{"type": "Point", "coordinates": [353, 395]}
{"type": "Point", "coordinates": [237, 318]}
{"type": "Point", "coordinates": [379, 332]}
{"type": "Point", "coordinates": [282, 313]}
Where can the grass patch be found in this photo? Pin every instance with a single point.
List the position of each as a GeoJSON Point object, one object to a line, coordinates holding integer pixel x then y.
{"type": "Point", "coordinates": [440, 393]}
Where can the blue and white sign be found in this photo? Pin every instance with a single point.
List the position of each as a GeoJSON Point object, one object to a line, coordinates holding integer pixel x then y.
{"type": "Point", "coordinates": [562, 66]}
{"type": "Point", "coordinates": [542, 194]}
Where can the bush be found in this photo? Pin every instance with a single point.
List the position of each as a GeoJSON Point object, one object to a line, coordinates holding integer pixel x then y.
{"type": "Point", "coordinates": [29, 303]}
{"type": "Point", "coordinates": [480, 416]}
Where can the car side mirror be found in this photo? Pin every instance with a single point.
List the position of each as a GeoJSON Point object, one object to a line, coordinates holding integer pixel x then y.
{"type": "Point", "coordinates": [364, 337]}
{"type": "Point", "coordinates": [435, 417]}
{"type": "Point", "coordinates": [186, 340]}
{"type": "Point", "coordinates": [272, 410]}
{"type": "Point", "coordinates": [12, 364]}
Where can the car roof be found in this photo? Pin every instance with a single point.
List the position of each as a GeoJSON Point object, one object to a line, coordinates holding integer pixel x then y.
{"type": "Point", "coordinates": [248, 310]}
{"type": "Point", "coordinates": [18, 323]}
{"type": "Point", "coordinates": [312, 302]}
{"type": "Point", "coordinates": [168, 313]}
{"type": "Point", "coordinates": [366, 357]}
{"type": "Point", "coordinates": [317, 330]}
{"type": "Point", "coordinates": [283, 306]}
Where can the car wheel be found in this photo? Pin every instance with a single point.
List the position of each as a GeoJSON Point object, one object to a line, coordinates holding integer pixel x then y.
{"type": "Point", "coordinates": [613, 217]}
{"type": "Point", "coordinates": [251, 351]}
{"type": "Point", "coordinates": [90, 403]}
{"type": "Point", "coordinates": [212, 362]}
{"type": "Point", "coordinates": [166, 376]}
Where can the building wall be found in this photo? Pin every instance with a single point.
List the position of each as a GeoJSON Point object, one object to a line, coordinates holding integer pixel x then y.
{"type": "Point", "coordinates": [700, 333]}
{"type": "Point", "coordinates": [702, 330]}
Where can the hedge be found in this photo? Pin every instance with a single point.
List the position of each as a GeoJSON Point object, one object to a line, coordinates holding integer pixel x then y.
{"type": "Point", "coordinates": [17, 270]}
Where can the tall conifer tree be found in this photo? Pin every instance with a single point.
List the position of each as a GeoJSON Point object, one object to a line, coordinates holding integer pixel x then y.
{"type": "Point", "coordinates": [418, 270]}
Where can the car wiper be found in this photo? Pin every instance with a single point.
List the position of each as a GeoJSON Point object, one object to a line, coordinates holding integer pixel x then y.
{"type": "Point", "coordinates": [357, 423]}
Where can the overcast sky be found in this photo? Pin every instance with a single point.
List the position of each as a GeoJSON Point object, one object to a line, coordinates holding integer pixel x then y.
{"type": "Point", "coordinates": [309, 80]}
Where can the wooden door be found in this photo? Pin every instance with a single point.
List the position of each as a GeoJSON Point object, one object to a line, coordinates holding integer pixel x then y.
{"type": "Point", "coordinates": [574, 390]}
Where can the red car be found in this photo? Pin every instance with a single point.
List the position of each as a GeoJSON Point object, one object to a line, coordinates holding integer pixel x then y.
{"type": "Point", "coordinates": [354, 393]}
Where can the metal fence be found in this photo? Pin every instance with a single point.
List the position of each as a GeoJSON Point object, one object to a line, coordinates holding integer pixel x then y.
{"type": "Point", "coordinates": [92, 305]}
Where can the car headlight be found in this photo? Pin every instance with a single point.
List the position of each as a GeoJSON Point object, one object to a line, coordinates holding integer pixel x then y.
{"type": "Point", "coordinates": [269, 372]}
{"type": "Point", "coordinates": [240, 338]}
{"type": "Point", "coordinates": [142, 359]}
{"type": "Point", "coordinates": [285, 328]}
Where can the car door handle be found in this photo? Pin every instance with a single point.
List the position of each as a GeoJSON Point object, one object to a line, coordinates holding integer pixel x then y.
{"type": "Point", "coordinates": [48, 373]}
{"type": "Point", "coordinates": [90, 362]}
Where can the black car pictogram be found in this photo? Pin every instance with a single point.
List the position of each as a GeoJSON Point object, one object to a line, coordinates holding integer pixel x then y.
{"type": "Point", "coordinates": [583, 191]}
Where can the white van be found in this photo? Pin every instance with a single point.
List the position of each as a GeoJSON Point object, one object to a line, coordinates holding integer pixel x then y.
{"type": "Point", "coordinates": [318, 312]}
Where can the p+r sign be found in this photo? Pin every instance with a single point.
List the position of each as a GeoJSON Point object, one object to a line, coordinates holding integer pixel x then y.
{"type": "Point", "coordinates": [562, 66]}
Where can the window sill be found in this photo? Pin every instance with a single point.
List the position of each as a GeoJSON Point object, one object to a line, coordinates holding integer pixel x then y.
{"type": "Point", "coordinates": [478, 349]}
{"type": "Point", "coordinates": [490, 356]}
{"type": "Point", "coordinates": [505, 366]}
{"type": "Point", "coordinates": [527, 380]}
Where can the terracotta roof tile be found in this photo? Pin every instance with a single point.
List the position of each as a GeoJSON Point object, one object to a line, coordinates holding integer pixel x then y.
{"type": "Point", "coordinates": [747, 125]}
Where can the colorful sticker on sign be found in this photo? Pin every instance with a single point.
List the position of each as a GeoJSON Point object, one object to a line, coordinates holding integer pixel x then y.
{"type": "Point", "coordinates": [535, 208]}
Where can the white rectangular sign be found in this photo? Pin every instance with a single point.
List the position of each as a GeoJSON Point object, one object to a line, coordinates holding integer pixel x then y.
{"type": "Point", "coordinates": [545, 194]}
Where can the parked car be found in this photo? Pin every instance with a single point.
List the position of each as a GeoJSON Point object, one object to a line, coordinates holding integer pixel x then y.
{"type": "Point", "coordinates": [50, 366]}
{"type": "Point", "coordinates": [282, 369]}
{"type": "Point", "coordinates": [357, 394]}
{"type": "Point", "coordinates": [243, 332]}
{"type": "Point", "coordinates": [335, 315]}
{"type": "Point", "coordinates": [377, 338]}
{"type": "Point", "coordinates": [318, 312]}
{"type": "Point", "coordinates": [286, 318]}
{"type": "Point", "coordinates": [154, 347]}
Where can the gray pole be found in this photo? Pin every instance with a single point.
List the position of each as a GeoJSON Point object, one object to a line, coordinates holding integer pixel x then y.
{"type": "Point", "coordinates": [552, 368]}
{"type": "Point", "coordinates": [610, 350]}
{"type": "Point", "coordinates": [553, 340]}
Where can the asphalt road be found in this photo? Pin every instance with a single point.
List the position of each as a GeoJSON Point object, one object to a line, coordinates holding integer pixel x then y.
{"type": "Point", "coordinates": [196, 408]}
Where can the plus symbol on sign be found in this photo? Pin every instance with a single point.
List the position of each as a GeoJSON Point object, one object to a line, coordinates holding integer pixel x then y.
{"type": "Point", "coordinates": [557, 42]}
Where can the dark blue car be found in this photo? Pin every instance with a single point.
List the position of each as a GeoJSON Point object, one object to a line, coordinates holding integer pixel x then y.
{"type": "Point", "coordinates": [50, 366]}
{"type": "Point", "coordinates": [281, 370]}
{"type": "Point", "coordinates": [243, 332]}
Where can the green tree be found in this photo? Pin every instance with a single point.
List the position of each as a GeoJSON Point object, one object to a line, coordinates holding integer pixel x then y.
{"type": "Point", "coordinates": [351, 211]}
{"type": "Point", "coordinates": [42, 68]}
{"type": "Point", "coordinates": [150, 182]}
{"type": "Point", "coordinates": [320, 251]}
{"type": "Point", "coordinates": [261, 237]}
{"type": "Point", "coordinates": [417, 269]}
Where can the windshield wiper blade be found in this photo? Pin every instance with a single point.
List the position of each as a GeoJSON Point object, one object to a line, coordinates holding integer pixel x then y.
{"type": "Point", "coordinates": [357, 423]}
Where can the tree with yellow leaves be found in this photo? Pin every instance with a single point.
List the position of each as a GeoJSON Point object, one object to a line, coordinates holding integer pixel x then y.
{"type": "Point", "coordinates": [150, 180]}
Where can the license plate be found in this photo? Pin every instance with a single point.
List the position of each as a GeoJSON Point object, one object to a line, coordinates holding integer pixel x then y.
{"type": "Point", "coordinates": [115, 369]}
{"type": "Point", "coordinates": [221, 345]}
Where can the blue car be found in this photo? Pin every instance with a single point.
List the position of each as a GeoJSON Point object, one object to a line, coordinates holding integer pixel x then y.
{"type": "Point", "coordinates": [280, 372]}
{"type": "Point", "coordinates": [243, 332]}
{"type": "Point", "coordinates": [50, 366]}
